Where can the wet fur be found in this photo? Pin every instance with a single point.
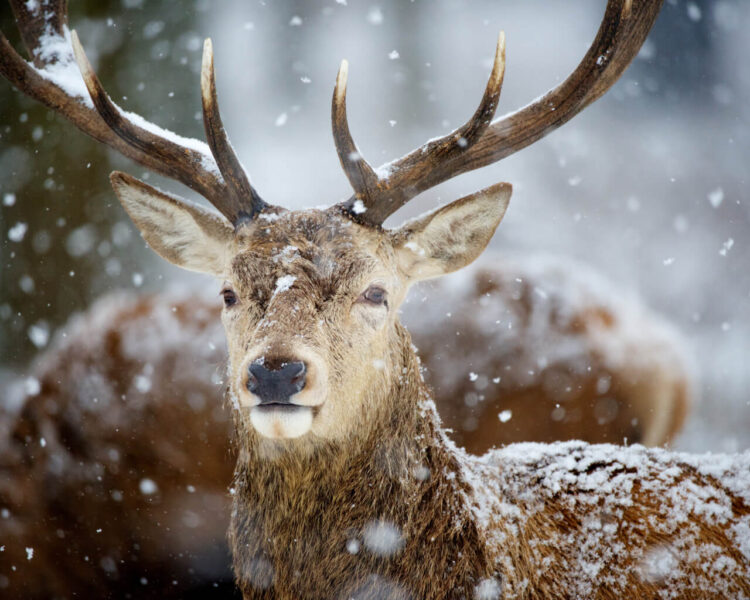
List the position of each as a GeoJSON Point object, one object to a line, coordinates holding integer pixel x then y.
{"type": "Point", "coordinates": [473, 524]}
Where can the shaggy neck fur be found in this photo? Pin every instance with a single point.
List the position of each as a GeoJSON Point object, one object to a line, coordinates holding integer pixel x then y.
{"type": "Point", "coordinates": [358, 519]}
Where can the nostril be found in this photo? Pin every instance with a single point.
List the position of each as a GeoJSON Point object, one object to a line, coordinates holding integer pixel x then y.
{"type": "Point", "coordinates": [298, 374]}
{"type": "Point", "coordinates": [252, 381]}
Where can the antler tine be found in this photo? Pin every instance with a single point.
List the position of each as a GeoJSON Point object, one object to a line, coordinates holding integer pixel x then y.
{"type": "Point", "coordinates": [623, 29]}
{"type": "Point", "coordinates": [402, 182]}
{"type": "Point", "coordinates": [89, 108]}
{"type": "Point", "coordinates": [34, 83]}
{"type": "Point", "coordinates": [245, 201]}
{"type": "Point", "coordinates": [172, 156]}
{"type": "Point", "coordinates": [361, 175]}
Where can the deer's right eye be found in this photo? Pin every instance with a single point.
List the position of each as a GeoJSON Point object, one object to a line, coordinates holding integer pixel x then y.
{"type": "Point", "coordinates": [230, 298]}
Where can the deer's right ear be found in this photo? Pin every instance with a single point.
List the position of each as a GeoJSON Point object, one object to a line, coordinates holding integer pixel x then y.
{"type": "Point", "coordinates": [452, 236]}
{"type": "Point", "coordinates": [181, 232]}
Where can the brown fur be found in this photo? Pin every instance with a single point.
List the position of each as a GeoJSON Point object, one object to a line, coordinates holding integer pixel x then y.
{"type": "Point", "coordinates": [293, 517]}
{"type": "Point", "coordinates": [298, 501]}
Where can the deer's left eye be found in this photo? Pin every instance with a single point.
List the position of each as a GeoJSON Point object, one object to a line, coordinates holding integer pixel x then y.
{"type": "Point", "coordinates": [230, 298]}
{"type": "Point", "coordinates": [374, 295]}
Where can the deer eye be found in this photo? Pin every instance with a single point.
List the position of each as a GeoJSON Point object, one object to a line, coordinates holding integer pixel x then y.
{"type": "Point", "coordinates": [230, 298]}
{"type": "Point", "coordinates": [374, 295]}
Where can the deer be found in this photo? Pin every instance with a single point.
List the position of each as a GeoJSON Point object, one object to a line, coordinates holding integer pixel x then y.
{"type": "Point", "coordinates": [345, 484]}
{"type": "Point", "coordinates": [117, 377]}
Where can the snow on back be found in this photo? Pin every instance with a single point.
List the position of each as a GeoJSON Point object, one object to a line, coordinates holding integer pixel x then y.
{"type": "Point", "coordinates": [620, 496]}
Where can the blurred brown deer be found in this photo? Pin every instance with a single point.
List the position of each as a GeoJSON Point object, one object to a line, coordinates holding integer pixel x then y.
{"type": "Point", "coordinates": [78, 453]}
{"type": "Point", "coordinates": [345, 485]}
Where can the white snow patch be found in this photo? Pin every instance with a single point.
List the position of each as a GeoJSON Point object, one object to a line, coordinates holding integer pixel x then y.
{"type": "Point", "coordinates": [414, 247]}
{"type": "Point", "coordinates": [382, 537]}
{"type": "Point", "coordinates": [32, 387]}
{"type": "Point", "coordinates": [488, 589]}
{"type": "Point", "coordinates": [198, 146]}
{"type": "Point", "coordinates": [39, 334]}
{"type": "Point", "coordinates": [694, 12]}
{"type": "Point", "coordinates": [148, 486]}
{"type": "Point", "coordinates": [726, 247]}
{"type": "Point", "coordinates": [283, 284]}
{"type": "Point", "coordinates": [60, 66]}
{"type": "Point", "coordinates": [716, 197]}
{"type": "Point", "coordinates": [375, 16]}
{"type": "Point", "coordinates": [17, 232]}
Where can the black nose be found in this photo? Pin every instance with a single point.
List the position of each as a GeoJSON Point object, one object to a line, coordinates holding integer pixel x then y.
{"type": "Point", "coordinates": [276, 386]}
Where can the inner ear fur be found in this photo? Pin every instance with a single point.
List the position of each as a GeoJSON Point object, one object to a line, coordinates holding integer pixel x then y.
{"type": "Point", "coordinates": [452, 236]}
{"type": "Point", "coordinates": [179, 231]}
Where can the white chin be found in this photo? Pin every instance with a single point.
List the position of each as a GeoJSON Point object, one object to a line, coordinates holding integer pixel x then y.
{"type": "Point", "coordinates": [281, 423]}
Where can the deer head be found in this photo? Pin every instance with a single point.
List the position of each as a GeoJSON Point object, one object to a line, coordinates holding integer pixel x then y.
{"type": "Point", "coordinates": [311, 297]}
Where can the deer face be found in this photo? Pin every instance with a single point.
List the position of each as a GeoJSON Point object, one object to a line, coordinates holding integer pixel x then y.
{"type": "Point", "coordinates": [309, 305]}
{"type": "Point", "coordinates": [311, 298]}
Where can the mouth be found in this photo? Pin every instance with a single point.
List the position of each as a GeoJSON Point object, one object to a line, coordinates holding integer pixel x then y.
{"type": "Point", "coordinates": [281, 420]}
{"type": "Point", "coordinates": [278, 406]}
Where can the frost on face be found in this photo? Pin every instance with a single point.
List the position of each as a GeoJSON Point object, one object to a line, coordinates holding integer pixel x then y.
{"type": "Point", "coordinates": [283, 284]}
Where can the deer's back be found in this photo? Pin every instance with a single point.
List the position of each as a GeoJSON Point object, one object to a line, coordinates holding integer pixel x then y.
{"type": "Point", "coordinates": [600, 521]}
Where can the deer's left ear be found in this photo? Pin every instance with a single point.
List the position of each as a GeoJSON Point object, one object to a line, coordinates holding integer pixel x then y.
{"type": "Point", "coordinates": [181, 232]}
{"type": "Point", "coordinates": [452, 236]}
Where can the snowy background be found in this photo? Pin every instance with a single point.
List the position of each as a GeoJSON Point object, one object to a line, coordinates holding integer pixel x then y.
{"type": "Point", "coordinates": [648, 185]}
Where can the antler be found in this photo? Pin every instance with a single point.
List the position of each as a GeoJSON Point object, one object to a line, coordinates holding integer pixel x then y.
{"type": "Point", "coordinates": [378, 193]}
{"type": "Point", "coordinates": [231, 169]}
{"type": "Point", "coordinates": [213, 171]}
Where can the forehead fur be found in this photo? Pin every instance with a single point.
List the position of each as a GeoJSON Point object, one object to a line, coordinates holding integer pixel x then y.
{"type": "Point", "coordinates": [317, 246]}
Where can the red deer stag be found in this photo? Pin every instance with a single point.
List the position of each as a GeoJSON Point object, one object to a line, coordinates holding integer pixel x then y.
{"type": "Point", "coordinates": [345, 484]}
